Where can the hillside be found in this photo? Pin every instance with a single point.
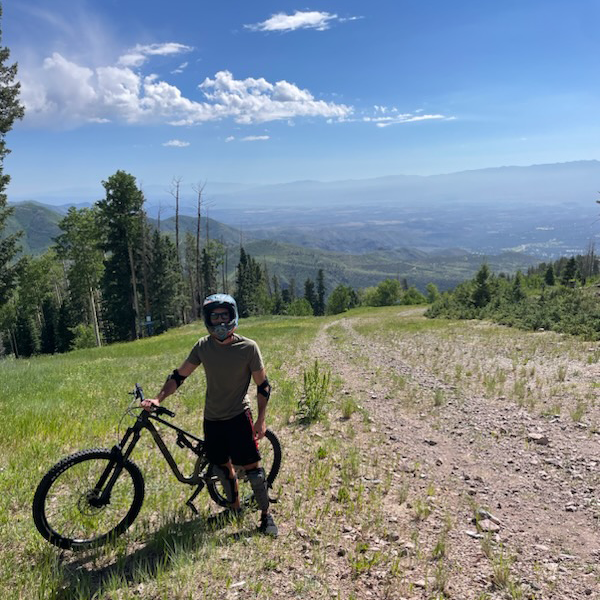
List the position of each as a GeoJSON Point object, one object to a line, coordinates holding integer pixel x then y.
{"type": "Point", "coordinates": [452, 459]}
{"type": "Point", "coordinates": [39, 224]}
{"type": "Point", "coordinates": [362, 270]}
{"type": "Point", "coordinates": [445, 268]}
{"type": "Point", "coordinates": [219, 231]}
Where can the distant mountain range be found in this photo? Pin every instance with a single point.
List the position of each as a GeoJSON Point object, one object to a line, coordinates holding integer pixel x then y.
{"type": "Point", "coordinates": [542, 210]}
{"type": "Point", "coordinates": [293, 262]}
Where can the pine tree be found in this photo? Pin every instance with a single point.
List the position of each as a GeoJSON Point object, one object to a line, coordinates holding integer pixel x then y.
{"type": "Point", "coordinates": [119, 214]}
{"type": "Point", "coordinates": [250, 292]}
{"type": "Point", "coordinates": [481, 294]}
{"type": "Point", "coordinates": [309, 293]}
{"type": "Point", "coordinates": [49, 332]}
{"type": "Point", "coordinates": [164, 283]}
{"type": "Point", "coordinates": [570, 272]}
{"type": "Point", "coordinates": [517, 293]}
{"type": "Point", "coordinates": [10, 111]}
{"type": "Point", "coordinates": [320, 304]}
{"type": "Point", "coordinates": [26, 334]}
{"type": "Point", "coordinates": [549, 278]}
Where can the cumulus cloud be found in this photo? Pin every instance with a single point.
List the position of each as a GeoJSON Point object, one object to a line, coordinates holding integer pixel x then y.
{"type": "Point", "coordinates": [62, 93]}
{"type": "Point", "coordinates": [299, 20]}
{"type": "Point", "coordinates": [176, 144]}
{"type": "Point", "coordinates": [255, 138]}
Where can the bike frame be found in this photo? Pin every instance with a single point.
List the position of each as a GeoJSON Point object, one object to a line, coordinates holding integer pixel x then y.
{"type": "Point", "coordinates": [123, 450]}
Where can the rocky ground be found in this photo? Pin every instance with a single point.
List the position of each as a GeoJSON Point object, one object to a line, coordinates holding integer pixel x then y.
{"type": "Point", "coordinates": [490, 440]}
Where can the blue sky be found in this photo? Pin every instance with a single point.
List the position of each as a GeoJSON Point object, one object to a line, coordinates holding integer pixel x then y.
{"type": "Point", "coordinates": [265, 92]}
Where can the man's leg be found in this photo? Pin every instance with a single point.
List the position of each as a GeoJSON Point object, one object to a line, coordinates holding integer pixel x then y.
{"type": "Point", "coordinates": [228, 479]}
{"type": "Point", "coordinates": [257, 479]}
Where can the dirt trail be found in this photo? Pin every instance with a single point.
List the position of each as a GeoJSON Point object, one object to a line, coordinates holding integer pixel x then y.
{"type": "Point", "coordinates": [535, 475]}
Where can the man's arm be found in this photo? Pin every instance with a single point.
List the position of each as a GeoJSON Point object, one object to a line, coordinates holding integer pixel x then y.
{"type": "Point", "coordinates": [170, 386]}
{"type": "Point", "coordinates": [262, 398]}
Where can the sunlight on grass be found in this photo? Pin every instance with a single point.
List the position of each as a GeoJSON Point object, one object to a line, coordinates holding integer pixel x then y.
{"type": "Point", "coordinates": [55, 405]}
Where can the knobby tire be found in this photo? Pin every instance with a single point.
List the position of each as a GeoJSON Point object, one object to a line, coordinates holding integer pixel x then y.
{"type": "Point", "coordinates": [63, 509]}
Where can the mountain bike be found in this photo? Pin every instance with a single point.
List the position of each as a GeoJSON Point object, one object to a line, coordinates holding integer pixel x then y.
{"type": "Point", "coordinates": [93, 496]}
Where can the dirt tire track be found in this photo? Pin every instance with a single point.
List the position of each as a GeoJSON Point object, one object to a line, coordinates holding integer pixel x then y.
{"type": "Point", "coordinates": [474, 452]}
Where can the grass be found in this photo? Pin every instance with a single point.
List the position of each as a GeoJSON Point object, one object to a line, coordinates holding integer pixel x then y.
{"type": "Point", "coordinates": [339, 483]}
{"type": "Point", "coordinates": [56, 405]}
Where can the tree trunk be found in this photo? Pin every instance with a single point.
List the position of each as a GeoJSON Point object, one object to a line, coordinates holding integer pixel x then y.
{"type": "Point", "coordinates": [145, 268]}
{"type": "Point", "coordinates": [199, 289]}
{"type": "Point", "coordinates": [136, 308]}
{"type": "Point", "coordinates": [13, 343]}
{"type": "Point", "coordinates": [95, 318]}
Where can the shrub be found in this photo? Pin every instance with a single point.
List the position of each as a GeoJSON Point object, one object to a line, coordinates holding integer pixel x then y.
{"type": "Point", "coordinates": [300, 308]}
{"type": "Point", "coordinates": [317, 387]}
{"type": "Point", "coordinates": [83, 337]}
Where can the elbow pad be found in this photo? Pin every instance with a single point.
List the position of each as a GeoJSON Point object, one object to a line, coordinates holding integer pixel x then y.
{"type": "Point", "coordinates": [264, 389]}
{"type": "Point", "coordinates": [176, 377]}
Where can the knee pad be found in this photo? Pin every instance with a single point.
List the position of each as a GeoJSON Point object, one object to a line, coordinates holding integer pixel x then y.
{"type": "Point", "coordinates": [258, 481]}
{"type": "Point", "coordinates": [228, 484]}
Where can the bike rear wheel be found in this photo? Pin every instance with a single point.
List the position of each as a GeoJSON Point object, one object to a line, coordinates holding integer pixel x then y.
{"type": "Point", "coordinates": [270, 452]}
{"type": "Point", "coordinates": [68, 509]}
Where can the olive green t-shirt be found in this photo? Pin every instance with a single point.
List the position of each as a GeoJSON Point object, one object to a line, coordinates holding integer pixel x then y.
{"type": "Point", "coordinates": [228, 369]}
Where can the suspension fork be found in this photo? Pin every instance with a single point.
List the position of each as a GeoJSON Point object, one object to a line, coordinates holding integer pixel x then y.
{"type": "Point", "coordinates": [107, 480]}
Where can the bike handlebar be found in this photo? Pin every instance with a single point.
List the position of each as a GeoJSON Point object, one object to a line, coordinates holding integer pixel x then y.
{"type": "Point", "coordinates": [138, 393]}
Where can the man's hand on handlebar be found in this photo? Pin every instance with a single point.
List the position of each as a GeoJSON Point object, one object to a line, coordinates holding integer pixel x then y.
{"type": "Point", "coordinates": [149, 404]}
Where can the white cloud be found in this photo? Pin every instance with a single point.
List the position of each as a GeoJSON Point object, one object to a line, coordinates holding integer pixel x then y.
{"type": "Point", "coordinates": [176, 144]}
{"type": "Point", "coordinates": [299, 20]}
{"type": "Point", "coordinates": [137, 56]}
{"type": "Point", "coordinates": [399, 118]}
{"type": "Point", "coordinates": [230, 138]}
{"type": "Point", "coordinates": [63, 94]}
{"type": "Point", "coordinates": [255, 138]}
{"type": "Point", "coordinates": [257, 101]}
{"type": "Point", "coordinates": [181, 68]}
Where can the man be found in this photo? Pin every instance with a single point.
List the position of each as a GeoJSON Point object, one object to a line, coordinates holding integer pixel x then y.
{"type": "Point", "coordinates": [230, 361]}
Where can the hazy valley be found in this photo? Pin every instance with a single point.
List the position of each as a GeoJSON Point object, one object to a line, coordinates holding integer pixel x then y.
{"type": "Point", "coordinates": [437, 228]}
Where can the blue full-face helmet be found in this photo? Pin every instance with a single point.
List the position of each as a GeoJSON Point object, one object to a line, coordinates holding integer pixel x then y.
{"type": "Point", "coordinates": [222, 330]}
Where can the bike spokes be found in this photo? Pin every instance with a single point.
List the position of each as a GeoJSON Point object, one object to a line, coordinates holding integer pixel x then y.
{"type": "Point", "coordinates": [76, 510]}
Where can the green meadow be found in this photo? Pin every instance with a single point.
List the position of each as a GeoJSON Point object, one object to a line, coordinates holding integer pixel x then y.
{"type": "Point", "coordinates": [56, 405]}
{"type": "Point", "coordinates": [367, 507]}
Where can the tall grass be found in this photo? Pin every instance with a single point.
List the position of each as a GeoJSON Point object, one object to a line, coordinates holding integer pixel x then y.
{"type": "Point", "coordinates": [55, 405]}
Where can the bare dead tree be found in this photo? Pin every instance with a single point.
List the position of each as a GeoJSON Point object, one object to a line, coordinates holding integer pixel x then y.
{"type": "Point", "coordinates": [589, 261]}
{"type": "Point", "coordinates": [224, 266]}
{"type": "Point", "coordinates": [144, 227]}
{"type": "Point", "coordinates": [175, 185]}
{"type": "Point", "coordinates": [199, 189]}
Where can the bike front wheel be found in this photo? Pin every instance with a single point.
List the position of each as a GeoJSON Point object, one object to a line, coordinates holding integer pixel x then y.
{"type": "Point", "coordinates": [72, 507]}
{"type": "Point", "coordinates": [270, 453]}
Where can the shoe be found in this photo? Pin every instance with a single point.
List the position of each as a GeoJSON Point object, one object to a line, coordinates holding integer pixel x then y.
{"type": "Point", "coordinates": [267, 525]}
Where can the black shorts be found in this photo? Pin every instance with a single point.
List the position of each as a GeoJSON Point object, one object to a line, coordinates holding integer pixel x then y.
{"type": "Point", "coordinates": [231, 439]}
